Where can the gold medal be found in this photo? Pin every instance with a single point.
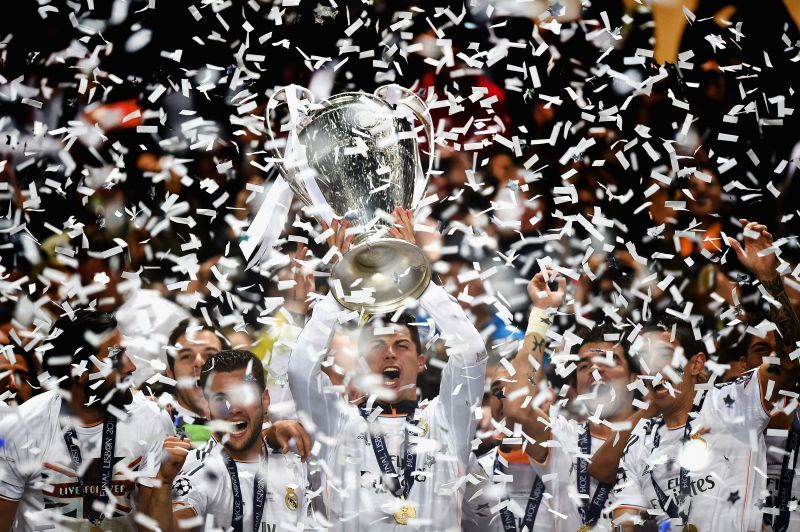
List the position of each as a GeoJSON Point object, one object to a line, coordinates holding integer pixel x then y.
{"type": "Point", "coordinates": [291, 500]}
{"type": "Point", "coordinates": [406, 513]}
{"type": "Point", "coordinates": [585, 528]}
{"type": "Point", "coordinates": [96, 528]}
{"type": "Point", "coordinates": [690, 528]}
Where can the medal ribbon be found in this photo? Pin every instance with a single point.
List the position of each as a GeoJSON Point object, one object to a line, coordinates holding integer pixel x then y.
{"type": "Point", "coordinates": [398, 488]}
{"type": "Point", "coordinates": [108, 441]}
{"type": "Point", "coordinates": [531, 508]}
{"type": "Point", "coordinates": [259, 496]}
{"type": "Point", "coordinates": [781, 522]}
{"type": "Point", "coordinates": [589, 513]}
{"type": "Point", "coordinates": [677, 508]}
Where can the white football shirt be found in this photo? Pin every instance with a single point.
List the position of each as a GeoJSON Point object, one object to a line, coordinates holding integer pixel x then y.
{"type": "Point", "coordinates": [35, 467]}
{"type": "Point", "coordinates": [559, 472]}
{"type": "Point", "coordinates": [483, 501]}
{"type": "Point", "coordinates": [726, 466]}
{"type": "Point", "coordinates": [205, 486]}
{"type": "Point", "coordinates": [355, 495]}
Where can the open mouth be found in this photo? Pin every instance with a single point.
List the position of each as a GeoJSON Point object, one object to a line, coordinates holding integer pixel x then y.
{"type": "Point", "coordinates": [661, 388]}
{"type": "Point", "coordinates": [238, 428]}
{"type": "Point", "coordinates": [391, 375]}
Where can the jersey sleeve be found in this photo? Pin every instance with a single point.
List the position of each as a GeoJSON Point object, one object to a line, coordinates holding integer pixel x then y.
{"type": "Point", "coordinates": [463, 376]}
{"type": "Point", "coordinates": [629, 490]}
{"type": "Point", "coordinates": [12, 458]}
{"type": "Point", "coordinates": [158, 428]}
{"type": "Point", "coordinates": [311, 389]}
{"type": "Point", "coordinates": [742, 400]}
{"type": "Point", "coordinates": [191, 488]}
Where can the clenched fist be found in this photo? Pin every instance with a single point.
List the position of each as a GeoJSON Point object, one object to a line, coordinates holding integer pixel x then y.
{"type": "Point", "coordinates": [175, 451]}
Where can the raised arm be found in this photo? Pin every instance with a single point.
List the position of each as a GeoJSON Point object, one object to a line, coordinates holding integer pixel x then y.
{"type": "Point", "coordinates": [311, 389]}
{"type": "Point", "coordinates": [535, 422]}
{"type": "Point", "coordinates": [464, 374]}
{"type": "Point", "coordinates": [764, 266]}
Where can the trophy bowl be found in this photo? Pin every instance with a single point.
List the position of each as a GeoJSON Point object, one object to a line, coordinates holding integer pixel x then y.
{"type": "Point", "coordinates": [356, 156]}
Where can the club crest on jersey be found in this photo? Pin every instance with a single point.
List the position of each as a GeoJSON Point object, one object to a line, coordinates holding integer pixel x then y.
{"type": "Point", "coordinates": [291, 500]}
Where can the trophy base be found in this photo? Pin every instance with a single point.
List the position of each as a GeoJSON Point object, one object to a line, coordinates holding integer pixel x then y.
{"type": "Point", "coordinates": [380, 275]}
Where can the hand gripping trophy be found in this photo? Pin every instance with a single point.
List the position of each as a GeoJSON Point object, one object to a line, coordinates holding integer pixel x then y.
{"type": "Point", "coordinates": [357, 156]}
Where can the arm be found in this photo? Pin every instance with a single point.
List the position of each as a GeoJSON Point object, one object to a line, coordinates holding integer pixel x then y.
{"type": "Point", "coordinates": [156, 501]}
{"type": "Point", "coordinates": [605, 461]}
{"type": "Point", "coordinates": [465, 367]}
{"type": "Point", "coordinates": [784, 374]}
{"type": "Point", "coordinates": [8, 511]}
{"type": "Point", "coordinates": [306, 380]}
{"type": "Point", "coordinates": [535, 422]}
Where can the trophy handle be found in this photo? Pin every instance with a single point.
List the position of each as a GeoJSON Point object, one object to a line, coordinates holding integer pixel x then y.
{"type": "Point", "coordinates": [389, 94]}
{"type": "Point", "coordinates": [272, 104]}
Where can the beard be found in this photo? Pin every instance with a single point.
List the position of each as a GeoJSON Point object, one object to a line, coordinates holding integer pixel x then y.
{"type": "Point", "coordinates": [251, 437]}
{"type": "Point", "coordinates": [110, 394]}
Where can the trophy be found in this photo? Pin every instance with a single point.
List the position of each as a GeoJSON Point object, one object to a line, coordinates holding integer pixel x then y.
{"type": "Point", "coordinates": [356, 156]}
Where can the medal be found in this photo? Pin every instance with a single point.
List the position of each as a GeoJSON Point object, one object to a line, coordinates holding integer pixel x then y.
{"type": "Point", "coordinates": [690, 528]}
{"type": "Point", "coordinates": [585, 528]}
{"type": "Point", "coordinates": [406, 513]}
{"type": "Point", "coordinates": [96, 528]}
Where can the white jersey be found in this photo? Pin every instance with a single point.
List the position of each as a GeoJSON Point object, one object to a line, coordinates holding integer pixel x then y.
{"type": "Point", "coordinates": [560, 475]}
{"type": "Point", "coordinates": [776, 447]}
{"type": "Point", "coordinates": [512, 489]}
{"type": "Point", "coordinates": [726, 465]}
{"type": "Point", "coordinates": [355, 495]}
{"type": "Point", "coordinates": [204, 485]}
{"type": "Point", "coordinates": [35, 467]}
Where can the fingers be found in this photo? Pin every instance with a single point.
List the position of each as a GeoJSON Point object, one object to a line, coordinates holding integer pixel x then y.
{"type": "Point", "coordinates": [303, 443]}
{"type": "Point", "coordinates": [562, 284]}
{"type": "Point", "coordinates": [737, 248]}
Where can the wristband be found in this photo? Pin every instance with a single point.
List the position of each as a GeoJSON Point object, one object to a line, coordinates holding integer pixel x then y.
{"type": "Point", "coordinates": [538, 322]}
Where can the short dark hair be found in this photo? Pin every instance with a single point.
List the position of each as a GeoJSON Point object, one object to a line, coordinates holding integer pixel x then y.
{"type": "Point", "coordinates": [227, 361]}
{"type": "Point", "coordinates": [684, 334]}
{"type": "Point", "coordinates": [34, 368]}
{"type": "Point", "coordinates": [597, 335]}
{"type": "Point", "coordinates": [179, 331]}
{"type": "Point", "coordinates": [406, 320]}
{"type": "Point", "coordinates": [70, 344]}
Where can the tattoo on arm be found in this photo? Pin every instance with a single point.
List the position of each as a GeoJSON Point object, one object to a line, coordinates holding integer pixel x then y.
{"type": "Point", "coordinates": [785, 319]}
{"type": "Point", "coordinates": [538, 344]}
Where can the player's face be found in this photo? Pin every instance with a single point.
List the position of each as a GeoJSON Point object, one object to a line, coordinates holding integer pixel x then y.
{"type": "Point", "coordinates": [759, 348]}
{"type": "Point", "coordinates": [658, 354]}
{"type": "Point", "coordinates": [603, 369]}
{"type": "Point", "coordinates": [189, 360]}
{"type": "Point", "coordinates": [235, 398]}
{"type": "Point", "coordinates": [117, 382]}
{"type": "Point", "coordinates": [14, 377]}
{"type": "Point", "coordinates": [394, 357]}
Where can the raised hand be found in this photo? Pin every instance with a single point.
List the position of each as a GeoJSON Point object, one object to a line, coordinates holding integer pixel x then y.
{"type": "Point", "coordinates": [281, 433]}
{"type": "Point", "coordinates": [756, 239]}
{"type": "Point", "coordinates": [175, 451]}
{"type": "Point", "coordinates": [339, 239]}
{"type": "Point", "coordinates": [403, 228]}
{"type": "Point", "coordinates": [542, 295]}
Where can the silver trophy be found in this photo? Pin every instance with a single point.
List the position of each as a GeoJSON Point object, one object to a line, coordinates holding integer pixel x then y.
{"type": "Point", "coordinates": [356, 156]}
